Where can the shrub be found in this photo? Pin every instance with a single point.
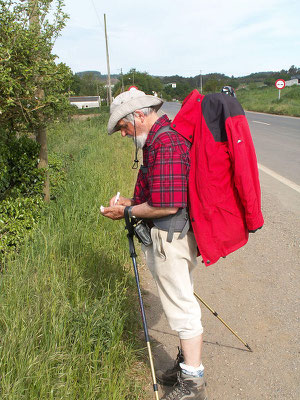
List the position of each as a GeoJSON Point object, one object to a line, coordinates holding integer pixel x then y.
{"type": "Point", "coordinates": [291, 93]}
{"type": "Point", "coordinates": [21, 188]}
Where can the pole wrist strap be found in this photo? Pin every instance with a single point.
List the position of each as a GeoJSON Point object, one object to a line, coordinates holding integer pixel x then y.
{"type": "Point", "coordinates": [129, 225]}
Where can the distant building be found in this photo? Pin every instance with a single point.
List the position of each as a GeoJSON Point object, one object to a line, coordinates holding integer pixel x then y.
{"type": "Point", "coordinates": [85, 101]}
{"type": "Point", "coordinates": [173, 84]}
{"type": "Point", "coordinates": [295, 80]}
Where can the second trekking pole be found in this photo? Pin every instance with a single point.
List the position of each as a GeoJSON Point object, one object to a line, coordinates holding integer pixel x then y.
{"type": "Point", "coordinates": [223, 322]}
{"type": "Point", "coordinates": [130, 236]}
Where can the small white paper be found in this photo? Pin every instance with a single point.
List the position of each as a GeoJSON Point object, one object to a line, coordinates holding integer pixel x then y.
{"type": "Point", "coordinates": [102, 209]}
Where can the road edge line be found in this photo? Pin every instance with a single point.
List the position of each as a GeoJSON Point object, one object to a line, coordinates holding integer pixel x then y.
{"type": "Point", "coordinates": [272, 115]}
{"type": "Point", "coordinates": [280, 178]}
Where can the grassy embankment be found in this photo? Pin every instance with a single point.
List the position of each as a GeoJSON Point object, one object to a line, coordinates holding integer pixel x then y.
{"type": "Point", "coordinates": [67, 314]}
{"type": "Point", "coordinates": [265, 99]}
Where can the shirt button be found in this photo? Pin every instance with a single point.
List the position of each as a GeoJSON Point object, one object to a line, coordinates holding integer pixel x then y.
{"type": "Point", "coordinates": [190, 136]}
{"type": "Point", "coordinates": [198, 100]}
{"type": "Point", "coordinates": [207, 261]}
{"type": "Point", "coordinates": [193, 219]}
{"type": "Point", "coordinates": [174, 125]}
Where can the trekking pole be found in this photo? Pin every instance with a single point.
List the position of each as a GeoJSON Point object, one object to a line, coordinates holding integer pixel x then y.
{"type": "Point", "coordinates": [223, 322]}
{"type": "Point", "coordinates": [130, 235]}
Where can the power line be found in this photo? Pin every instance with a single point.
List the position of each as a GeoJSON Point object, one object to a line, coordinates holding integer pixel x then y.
{"type": "Point", "coordinates": [99, 21]}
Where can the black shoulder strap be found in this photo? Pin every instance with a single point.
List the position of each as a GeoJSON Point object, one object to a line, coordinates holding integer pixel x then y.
{"type": "Point", "coordinates": [160, 131]}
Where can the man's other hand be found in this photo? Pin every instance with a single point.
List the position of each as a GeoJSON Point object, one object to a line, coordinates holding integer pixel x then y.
{"type": "Point", "coordinates": [254, 230]}
{"type": "Point", "coordinates": [114, 212]}
{"type": "Point", "coordinates": [123, 201]}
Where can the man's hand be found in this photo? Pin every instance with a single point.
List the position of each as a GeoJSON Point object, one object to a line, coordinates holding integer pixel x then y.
{"type": "Point", "coordinates": [114, 212]}
{"type": "Point", "coordinates": [254, 230]}
{"type": "Point", "coordinates": [123, 201]}
{"type": "Point", "coordinates": [140, 211]}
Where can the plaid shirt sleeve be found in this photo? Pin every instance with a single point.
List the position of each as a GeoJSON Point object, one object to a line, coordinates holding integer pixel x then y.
{"type": "Point", "coordinates": [141, 191]}
{"type": "Point", "coordinates": [166, 182]}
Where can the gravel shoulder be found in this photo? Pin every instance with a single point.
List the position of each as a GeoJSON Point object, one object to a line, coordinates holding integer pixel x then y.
{"type": "Point", "coordinates": [256, 291]}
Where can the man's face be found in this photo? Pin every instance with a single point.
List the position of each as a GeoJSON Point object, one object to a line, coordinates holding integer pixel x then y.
{"type": "Point", "coordinates": [127, 130]}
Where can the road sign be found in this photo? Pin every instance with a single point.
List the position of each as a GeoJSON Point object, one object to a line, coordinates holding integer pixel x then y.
{"type": "Point", "coordinates": [280, 84]}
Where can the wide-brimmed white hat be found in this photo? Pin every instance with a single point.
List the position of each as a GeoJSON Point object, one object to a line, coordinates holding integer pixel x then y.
{"type": "Point", "coordinates": [128, 102]}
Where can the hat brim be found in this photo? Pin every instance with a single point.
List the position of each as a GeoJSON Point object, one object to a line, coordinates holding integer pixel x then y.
{"type": "Point", "coordinates": [129, 107]}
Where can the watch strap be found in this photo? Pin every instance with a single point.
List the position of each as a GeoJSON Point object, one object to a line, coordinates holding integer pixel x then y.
{"type": "Point", "coordinates": [130, 211]}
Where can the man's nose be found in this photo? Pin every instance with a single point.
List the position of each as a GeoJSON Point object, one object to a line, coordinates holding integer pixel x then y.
{"type": "Point", "coordinates": [123, 132]}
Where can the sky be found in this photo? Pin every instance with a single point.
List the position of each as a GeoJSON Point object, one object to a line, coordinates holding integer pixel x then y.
{"type": "Point", "coordinates": [181, 37]}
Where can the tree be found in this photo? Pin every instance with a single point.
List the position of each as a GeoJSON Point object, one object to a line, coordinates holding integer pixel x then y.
{"type": "Point", "coordinates": [75, 85]}
{"type": "Point", "coordinates": [273, 76]}
{"type": "Point", "coordinates": [91, 85]}
{"type": "Point", "coordinates": [180, 92]}
{"type": "Point", "coordinates": [142, 80]}
{"type": "Point", "coordinates": [211, 85]}
{"type": "Point", "coordinates": [293, 70]}
{"type": "Point", "coordinates": [33, 88]}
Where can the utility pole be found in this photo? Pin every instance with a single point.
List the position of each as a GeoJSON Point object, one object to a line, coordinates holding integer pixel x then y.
{"type": "Point", "coordinates": [201, 81]}
{"type": "Point", "coordinates": [122, 80]}
{"type": "Point", "coordinates": [108, 67]}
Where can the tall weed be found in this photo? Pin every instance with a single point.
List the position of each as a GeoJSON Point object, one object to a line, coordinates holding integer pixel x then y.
{"type": "Point", "coordinates": [66, 318]}
{"type": "Point", "coordinates": [265, 99]}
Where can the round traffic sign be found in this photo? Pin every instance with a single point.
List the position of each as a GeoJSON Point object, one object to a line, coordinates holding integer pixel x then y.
{"type": "Point", "coordinates": [280, 84]}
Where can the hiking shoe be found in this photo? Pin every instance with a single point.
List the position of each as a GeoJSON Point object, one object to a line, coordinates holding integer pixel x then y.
{"type": "Point", "coordinates": [188, 387]}
{"type": "Point", "coordinates": [169, 377]}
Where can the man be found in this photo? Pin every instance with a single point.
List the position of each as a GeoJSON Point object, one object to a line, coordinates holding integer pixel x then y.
{"type": "Point", "coordinates": [161, 196]}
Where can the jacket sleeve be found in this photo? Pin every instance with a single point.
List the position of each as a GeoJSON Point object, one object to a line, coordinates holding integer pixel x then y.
{"type": "Point", "coordinates": [245, 169]}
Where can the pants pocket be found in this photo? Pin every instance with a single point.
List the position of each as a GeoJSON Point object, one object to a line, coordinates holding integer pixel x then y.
{"type": "Point", "coordinates": [158, 246]}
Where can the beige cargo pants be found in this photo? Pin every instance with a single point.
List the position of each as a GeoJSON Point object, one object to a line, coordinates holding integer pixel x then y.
{"type": "Point", "coordinates": [172, 265]}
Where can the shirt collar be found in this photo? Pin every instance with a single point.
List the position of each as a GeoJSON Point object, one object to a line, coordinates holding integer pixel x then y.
{"type": "Point", "coordinates": [162, 121]}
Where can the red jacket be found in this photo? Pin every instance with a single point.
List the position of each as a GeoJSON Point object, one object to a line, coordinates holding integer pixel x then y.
{"type": "Point", "coordinates": [224, 190]}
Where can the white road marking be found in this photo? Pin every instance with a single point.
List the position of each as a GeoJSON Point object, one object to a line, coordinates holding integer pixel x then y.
{"type": "Point", "coordinates": [272, 115]}
{"type": "Point", "coordinates": [258, 122]}
{"type": "Point", "coordinates": [280, 178]}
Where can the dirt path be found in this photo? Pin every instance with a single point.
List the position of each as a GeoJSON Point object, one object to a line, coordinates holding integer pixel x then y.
{"type": "Point", "coordinates": [256, 291]}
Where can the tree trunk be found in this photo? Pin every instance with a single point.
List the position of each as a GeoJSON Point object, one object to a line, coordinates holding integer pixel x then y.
{"type": "Point", "coordinates": [41, 138]}
{"type": "Point", "coordinates": [41, 132]}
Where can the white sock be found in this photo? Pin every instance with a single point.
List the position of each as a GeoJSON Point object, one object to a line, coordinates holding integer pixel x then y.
{"type": "Point", "coordinates": [193, 371]}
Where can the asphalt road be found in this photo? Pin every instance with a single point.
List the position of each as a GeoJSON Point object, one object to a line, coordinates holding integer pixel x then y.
{"type": "Point", "coordinates": [276, 139]}
{"type": "Point", "coordinates": [277, 143]}
{"type": "Point", "coordinates": [255, 289]}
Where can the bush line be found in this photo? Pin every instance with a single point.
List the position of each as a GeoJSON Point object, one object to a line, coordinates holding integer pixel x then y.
{"type": "Point", "coordinates": [67, 321]}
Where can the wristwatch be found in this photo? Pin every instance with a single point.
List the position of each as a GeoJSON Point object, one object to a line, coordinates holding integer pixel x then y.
{"type": "Point", "coordinates": [130, 211]}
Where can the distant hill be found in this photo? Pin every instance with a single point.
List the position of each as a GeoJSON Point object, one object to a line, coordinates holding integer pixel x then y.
{"type": "Point", "coordinates": [97, 74]}
{"type": "Point", "coordinates": [211, 82]}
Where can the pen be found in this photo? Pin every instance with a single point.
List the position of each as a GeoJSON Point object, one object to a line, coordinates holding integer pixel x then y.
{"type": "Point", "coordinates": [117, 198]}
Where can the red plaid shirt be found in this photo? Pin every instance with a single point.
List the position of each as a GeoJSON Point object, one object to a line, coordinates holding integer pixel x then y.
{"type": "Point", "coordinates": [165, 184]}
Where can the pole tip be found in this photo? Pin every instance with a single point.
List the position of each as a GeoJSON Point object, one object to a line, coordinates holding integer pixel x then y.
{"type": "Point", "coordinates": [249, 348]}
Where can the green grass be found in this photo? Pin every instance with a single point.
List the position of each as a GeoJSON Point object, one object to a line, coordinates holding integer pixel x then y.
{"type": "Point", "coordinates": [265, 99]}
{"type": "Point", "coordinates": [87, 111]}
{"type": "Point", "coordinates": [67, 321]}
